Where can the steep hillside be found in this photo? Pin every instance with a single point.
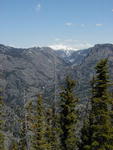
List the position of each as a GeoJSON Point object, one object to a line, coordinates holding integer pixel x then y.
{"type": "Point", "coordinates": [28, 70]}
{"type": "Point", "coordinates": [72, 56]}
{"type": "Point", "coordinates": [85, 71]}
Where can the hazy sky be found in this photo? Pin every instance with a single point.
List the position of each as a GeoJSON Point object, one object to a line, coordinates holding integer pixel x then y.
{"type": "Point", "coordinates": [57, 23]}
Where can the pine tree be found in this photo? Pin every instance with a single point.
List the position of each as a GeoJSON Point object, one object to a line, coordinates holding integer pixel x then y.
{"type": "Point", "coordinates": [2, 137]}
{"type": "Point", "coordinates": [14, 146]}
{"type": "Point", "coordinates": [53, 129]}
{"type": "Point", "coordinates": [26, 127]}
{"type": "Point", "coordinates": [22, 142]}
{"type": "Point", "coordinates": [68, 117]}
{"type": "Point", "coordinates": [100, 127]}
{"type": "Point", "coordinates": [85, 136]}
{"type": "Point", "coordinates": [85, 143]}
{"type": "Point", "coordinates": [26, 121]}
{"type": "Point", "coordinates": [38, 126]}
{"type": "Point", "coordinates": [48, 133]}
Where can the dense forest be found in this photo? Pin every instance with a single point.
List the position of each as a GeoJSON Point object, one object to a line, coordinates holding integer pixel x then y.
{"type": "Point", "coordinates": [55, 127]}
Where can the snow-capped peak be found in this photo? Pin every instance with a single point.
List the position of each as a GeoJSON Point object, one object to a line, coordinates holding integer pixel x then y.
{"type": "Point", "coordinates": [61, 46]}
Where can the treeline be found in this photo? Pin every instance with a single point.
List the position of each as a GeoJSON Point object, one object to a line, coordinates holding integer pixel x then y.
{"type": "Point", "coordinates": [50, 129]}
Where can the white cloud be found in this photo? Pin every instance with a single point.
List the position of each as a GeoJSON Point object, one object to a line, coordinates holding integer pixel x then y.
{"type": "Point", "coordinates": [73, 24]}
{"type": "Point", "coordinates": [99, 24]}
{"type": "Point", "coordinates": [74, 46]}
{"type": "Point", "coordinates": [57, 40]}
{"type": "Point", "coordinates": [60, 46]}
{"type": "Point", "coordinates": [68, 23]}
{"type": "Point", "coordinates": [38, 7]}
{"type": "Point", "coordinates": [112, 10]}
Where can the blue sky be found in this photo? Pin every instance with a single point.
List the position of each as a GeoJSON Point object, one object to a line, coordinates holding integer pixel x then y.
{"type": "Point", "coordinates": [75, 24]}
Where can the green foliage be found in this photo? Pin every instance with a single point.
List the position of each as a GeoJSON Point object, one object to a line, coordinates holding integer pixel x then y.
{"type": "Point", "coordinates": [22, 142]}
{"type": "Point", "coordinates": [38, 126]}
{"type": "Point", "coordinates": [53, 129]}
{"type": "Point", "coordinates": [68, 117]}
{"type": "Point", "coordinates": [85, 136]}
{"type": "Point", "coordinates": [48, 133]}
{"type": "Point", "coordinates": [14, 146]}
{"type": "Point", "coordinates": [24, 139]}
{"type": "Point", "coordinates": [1, 141]}
{"type": "Point", "coordinates": [99, 128]}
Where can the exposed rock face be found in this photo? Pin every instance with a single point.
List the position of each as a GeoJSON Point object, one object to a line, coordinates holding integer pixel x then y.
{"type": "Point", "coordinates": [30, 71]}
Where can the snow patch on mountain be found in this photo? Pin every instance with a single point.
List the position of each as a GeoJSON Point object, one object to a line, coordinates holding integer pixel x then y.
{"type": "Point", "coordinates": [61, 46]}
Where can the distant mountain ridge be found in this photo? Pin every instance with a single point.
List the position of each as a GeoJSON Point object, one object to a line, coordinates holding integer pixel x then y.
{"type": "Point", "coordinates": [27, 69]}
{"type": "Point", "coordinates": [72, 56]}
{"type": "Point", "coordinates": [33, 70]}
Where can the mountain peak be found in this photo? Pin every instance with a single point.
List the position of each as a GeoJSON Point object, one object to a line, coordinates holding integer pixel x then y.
{"type": "Point", "coordinates": [104, 45]}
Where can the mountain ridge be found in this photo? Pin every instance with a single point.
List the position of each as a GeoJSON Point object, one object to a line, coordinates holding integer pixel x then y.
{"type": "Point", "coordinates": [33, 69]}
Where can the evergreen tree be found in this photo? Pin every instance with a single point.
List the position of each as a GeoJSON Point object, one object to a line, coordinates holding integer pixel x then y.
{"type": "Point", "coordinates": [86, 132]}
{"type": "Point", "coordinates": [48, 133]}
{"type": "Point", "coordinates": [14, 146]}
{"type": "Point", "coordinates": [38, 126]}
{"type": "Point", "coordinates": [26, 127]}
{"type": "Point", "coordinates": [2, 137]}
{"type": "Point", "coordinates": [85, 136]}
{"type": "Point", "coordinates": [53, 129]}
{"type": "Point", "coordinates": [100, 127]}
{"type": "Point", "coordinates": [68, 116]}
{"type": "Point", "coordinates": [22, 142]}
{"type": "Point", "coordinates": [25, 137]}
{"type": "Point", "coordinates": [84, 143]}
